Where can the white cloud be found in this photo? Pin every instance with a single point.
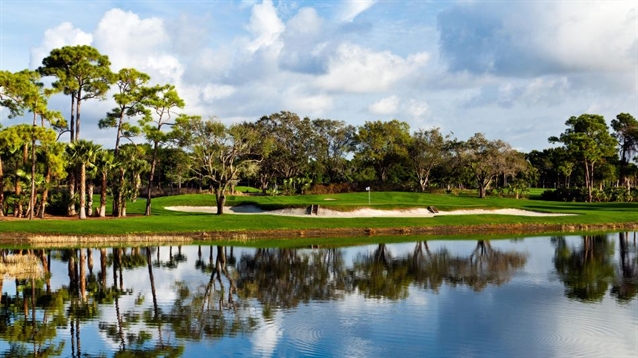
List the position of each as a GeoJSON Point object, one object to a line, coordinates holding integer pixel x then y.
{"type": "Point", "coordinates": [545, 90]}
{"type": "Point", "coordinates": [385, 106]}
{"type": "Point", "coordinates": [350, 9]}
{"type": "Point", "coordinates": [62, 35]}
{"type": "Point", "coordinates": [307, 104]}
{"type": "Point", "coordinates": [523, 38]}
{"type": "Point", "coordinates": [306, 22]}
{"type": "Point", "coordinates": [305, 43]}
{"type": "Point", "coordinates": [213, 92]}
{"type": "Point", "coordinates": [578, 42]}
{"type": "Point", "coordinates": [418, 109]}
{"type": "Point", "coordinates": [356, 69]}
{"type": "Point", "coordinates": [140, 43]}
{"type": "Point", "coordinates": [163, 68]}
{"type": "Point", "coordinates": [265, 25]}
{"type": "Point", "coordinates": [131, 41]}
{"type": "Point", "coordinates": [242, 61]}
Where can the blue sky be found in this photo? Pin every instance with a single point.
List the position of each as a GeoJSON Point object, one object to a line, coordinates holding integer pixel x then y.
{"type": "Point", "coordinates": [514, 70]}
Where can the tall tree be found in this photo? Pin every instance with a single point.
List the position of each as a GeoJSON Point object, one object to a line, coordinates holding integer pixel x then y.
{"type": "Point", "coordinates": [588, 140]}
{"type": "Point", "coordinates": [383, 145]}
{"type": "Point", "coordinates": [129, 166]}
{"type": "Point", "coordinates": [427, 150]}
{"type": "Point", "coordinates": [12, 140]}
{"type": "Point", "coordinates": [104, 162]}
{"type": "Point", "coordinates": [164, 101]}
{"type": "Point", "coordinates": [130, 97]}
{"type": "Point", "coordinates": [626, 133]}
{"type": "Point", "coordinates": [52, 159]}
{"type": "Point", "coordinates": [334, 141]}
{"type": "Point", "coordinates": [293, 146]}
{"type": "Point", "coordinates": [218, 151]}
{"type": "Point", "coordinates": [23, 91]}
{"type": "Point", "coordinates": [82, 73]}
{"type": "Point", "coordinates": [83, 153]}
{"type": "Point", "coordinates": [486, 159]}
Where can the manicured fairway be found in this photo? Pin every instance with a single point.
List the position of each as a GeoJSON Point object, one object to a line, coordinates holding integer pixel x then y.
{"type": "Point", "coordinates": [165, 221]}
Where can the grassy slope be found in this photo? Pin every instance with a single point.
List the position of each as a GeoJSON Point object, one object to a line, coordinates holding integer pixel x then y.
{"type": "Point", "coordinates": [164, 221]}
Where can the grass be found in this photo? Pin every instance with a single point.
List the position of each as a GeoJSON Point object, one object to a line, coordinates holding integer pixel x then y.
{"type": "Point", "coordinates": [164, 221]}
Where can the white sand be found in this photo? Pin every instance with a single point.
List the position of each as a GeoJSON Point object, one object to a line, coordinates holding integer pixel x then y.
{"type": "Point", "coordinates": [359, 213]}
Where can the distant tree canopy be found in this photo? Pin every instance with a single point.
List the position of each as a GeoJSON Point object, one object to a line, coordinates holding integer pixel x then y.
{"type": "Point", "coordinates": [278, 153]}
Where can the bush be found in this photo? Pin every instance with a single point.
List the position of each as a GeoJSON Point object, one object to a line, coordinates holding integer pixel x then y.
{"type": "Point", "coordinates": [615, 194]}
{"type": "Point", "coordinates": [58, 203]}
{"type": "Point", "coordinates": [335, 188]}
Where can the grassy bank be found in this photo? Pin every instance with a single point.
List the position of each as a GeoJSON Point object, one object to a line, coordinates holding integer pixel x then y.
{"type": "Point", "coordinates": [595, 215]}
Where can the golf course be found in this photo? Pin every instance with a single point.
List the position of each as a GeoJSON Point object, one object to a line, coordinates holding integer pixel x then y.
{"type": "Point", "coordinates": [381, 213]}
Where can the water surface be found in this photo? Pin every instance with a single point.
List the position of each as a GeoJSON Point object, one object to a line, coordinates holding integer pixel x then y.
{"type": "Point", "coordinates": [532, 297]}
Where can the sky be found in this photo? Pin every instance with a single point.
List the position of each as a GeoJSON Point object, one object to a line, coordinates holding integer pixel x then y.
{"type": "Point", "coordinates": [513, 70]}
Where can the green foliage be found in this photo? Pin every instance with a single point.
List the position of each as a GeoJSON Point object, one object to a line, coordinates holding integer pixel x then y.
{"type": "Point", "coordinates": [610, 194]}
{"type": "Point", "coordinates": [588, 141]}
{"type": "Point", "coordinates": [333, 142]}
{"type": "Point", "coordinates": [383, 145]}
{"type": "Point", "coordinates": [486, 159]}
{"type": "Point", "coordinates": [130, 99]}
{"type": "Point", "coordinates": [58, 203]}
{"type": "Point", "coordinates": [81, 72]}
{"type": "Point", "coordinates": [427, 150]}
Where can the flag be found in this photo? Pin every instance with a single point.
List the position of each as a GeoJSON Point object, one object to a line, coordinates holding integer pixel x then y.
{"type": "Point", "coordinates": [367, 188]}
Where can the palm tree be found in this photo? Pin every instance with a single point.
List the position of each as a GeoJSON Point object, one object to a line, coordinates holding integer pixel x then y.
{"type": "Point", "coordinates": [130, 163]}
{"type": "Point", "coordinates": [105, 161]}
{"type": "Point", "coordinates": [83, 153]}
{"type": "Point", "coordinates": [51, 156]}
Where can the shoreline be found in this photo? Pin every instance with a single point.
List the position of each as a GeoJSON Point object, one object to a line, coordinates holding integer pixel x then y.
{"type": "Point", "coordinates": [243, 236]}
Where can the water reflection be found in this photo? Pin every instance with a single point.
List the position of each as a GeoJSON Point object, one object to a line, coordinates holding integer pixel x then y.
{"type": "Point", "coordinates": [588, 269]}
{"type": "Point", "coordinates": [162, 301]}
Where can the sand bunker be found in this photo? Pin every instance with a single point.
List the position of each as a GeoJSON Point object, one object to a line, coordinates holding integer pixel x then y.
{"type": "Point", "coordinates": [359, 213]}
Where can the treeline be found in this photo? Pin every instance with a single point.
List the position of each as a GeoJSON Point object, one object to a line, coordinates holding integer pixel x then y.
{"type": "Point", "coordinates": [281, 153]}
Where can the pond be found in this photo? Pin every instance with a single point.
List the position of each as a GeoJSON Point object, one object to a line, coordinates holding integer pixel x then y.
{"type": "Point", "coordinates": [523, 297]}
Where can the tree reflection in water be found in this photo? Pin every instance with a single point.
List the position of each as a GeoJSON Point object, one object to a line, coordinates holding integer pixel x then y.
{"type": "Point", "coordinates": [210, 310]}
{"type": "Point", "coordinates": [379, 275]}
{"type": "Point", "coordinates": [224, 301]}
{"type": "Point", "coordinates": [586, 270]}
{"type": "Point", "coordinates": [28, 334]}
{"type": "Point", "coordinates": [285, 277]}
{"type": "Point", "coordinates": [625, 286]}
{"type": "Point", "coordinates": [589, 269]}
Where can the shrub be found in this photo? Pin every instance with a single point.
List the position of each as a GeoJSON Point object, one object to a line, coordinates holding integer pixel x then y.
{"type": "Point", "coordinates": [58, 203]}
{"type": "Point", "coordinates": [333, 188]}
{"type": "Point", "coordinates": [613, 194]}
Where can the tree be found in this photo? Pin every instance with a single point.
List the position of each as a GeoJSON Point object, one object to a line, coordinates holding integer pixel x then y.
{"type": "Point", "coordinates": [81, 72]}
{"type": "Point", "coordinates": [383, 145]}
{"type": "Point", "coordinates": [219, 151]}
{"type": "Point", "coordinates": [22, 91]}
{"type": "Point", "coordinates": [12, 139]}
{"type": "Point", "coordinates": [163, 102]}
{"type": "Point", "coordinates": [129, 165]}
{"type": "Point", "coordinates": [334, 141]}
{"type": "Point", "coordinates": [626, 133]}
{"type": "Point", "coordinates": [486, 159]}
{"type": "Point", "coordinates": [130, 100]}
{"type": "Point", "coordinates": [52, 159]}
{"type": "Point", "coordinates": [293, 146]}
{"type": "Point", "coordinates": [427, 149]}
{"type": "Point", "coordinates": [83, 153]}
{"type": "Point", "coordinates": [104, 162]}
{"type": "Point", "coordinates": [588, 140]}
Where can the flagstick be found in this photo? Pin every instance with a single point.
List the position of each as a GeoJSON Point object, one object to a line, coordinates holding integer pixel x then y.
{"type": "Point", "coordinates": [369, 190]}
